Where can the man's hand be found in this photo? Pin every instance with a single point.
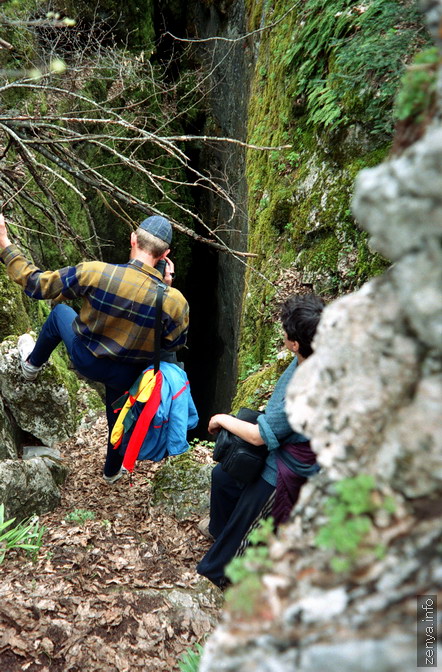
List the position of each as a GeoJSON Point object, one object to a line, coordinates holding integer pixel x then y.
{"type": "Point", "coordinates": [4, 240]}
{"type": "Point", "coordinates": [169, 271]}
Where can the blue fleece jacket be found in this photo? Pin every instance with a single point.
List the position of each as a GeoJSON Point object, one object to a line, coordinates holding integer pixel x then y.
{"type": "Point", "coordinates": [274, 426]}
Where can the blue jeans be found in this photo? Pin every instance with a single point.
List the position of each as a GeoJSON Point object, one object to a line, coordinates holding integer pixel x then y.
{"type": "Point", "coordinates": [116, 376]}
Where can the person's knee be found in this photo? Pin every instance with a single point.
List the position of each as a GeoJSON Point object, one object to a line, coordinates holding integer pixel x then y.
{"type": "Point", "coordinates": [220, 479]}
{"type": "Point", "coordinates": [62, 311]}
{"type": "Point", "coordinates": [217, 475]}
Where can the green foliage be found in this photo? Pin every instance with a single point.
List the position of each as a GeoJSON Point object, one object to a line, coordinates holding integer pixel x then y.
{"type": "Point", "coordinates": [350, 521]}
{"type": "Point", "coordinates": [347, 59]}
{"type": "Point", "coordinates": [13, 316]}
{"type": "Point", "coordinates": [245, 572]}
{"type": "Point", "coordinates": [325, 80]}
{"type": "Point", "coordinates": [254, 390]}
{"type": "Point", "coordinates": [131, 22]}
{"type": "Point", "coordinates": [26, 535]}
{"type": "Point", "coordinates": [189, 661]}
{"type": "Point", "coordinates": [79, 516]}
{"type": "Point", "coordinates": [417, 94]}
{"type": "Point", "coordinates": [201, 442]}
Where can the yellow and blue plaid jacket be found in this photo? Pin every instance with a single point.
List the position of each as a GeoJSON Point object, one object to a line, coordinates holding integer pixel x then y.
{"type": "Point", "coordinates": [117, 315]}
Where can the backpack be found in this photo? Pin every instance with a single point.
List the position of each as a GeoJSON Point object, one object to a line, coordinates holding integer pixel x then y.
{"type": "Point", "coordinates": [154, 416]}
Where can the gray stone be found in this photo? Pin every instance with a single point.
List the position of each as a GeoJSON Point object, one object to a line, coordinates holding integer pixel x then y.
{"type": "Point", "coordinates": [8, 441]}
{"type": "Point", "coordinates": [362, 370]}
{"type": "Point", "coordinates": [46, 408]}
{"type": "Point", "coordinates": [225, 653]}
{"type": "Point", "coordinates": [41, 451]}
{"type": "Point", "coordinates": [413, 459]}
{"type": "Point", "coordinates": [417, 281]}
{"type": "Point", "coordinates": [182, 486]}
{"type": "Point", "coordinates": [321, 605]}
{"type": "Point", "coordinates": [399, 202]}
{"type": "Point", "coordinates": [28, 488]}
{"type": "Point", "coordinates": [392, 655]}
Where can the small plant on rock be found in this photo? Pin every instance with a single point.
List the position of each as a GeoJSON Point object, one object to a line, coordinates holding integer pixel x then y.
{"type": "Point", "coordinates": [350, 521]}
{"type": "Point", "coordinates": [245, 572]}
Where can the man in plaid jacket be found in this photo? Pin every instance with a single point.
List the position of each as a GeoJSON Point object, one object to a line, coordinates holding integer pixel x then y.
{"type": "Point", "coordinates": [111, 340]}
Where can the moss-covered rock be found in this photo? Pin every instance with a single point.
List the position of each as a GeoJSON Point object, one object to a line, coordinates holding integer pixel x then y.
{"type": "Point", "coordinates": [306, 99]}
{"type": "Point", "coordinates": [8, 435]}
{"type": "Point", "coordinates": [254, 390]}
{"type": "Point", "coordinates": [46, 408]}
{"type": "Point", "coordinates": [182, 486]}
{"type": "Point", "coordinates": [30, 487]}
{"type": "Point", "coordinates": [13, 316]}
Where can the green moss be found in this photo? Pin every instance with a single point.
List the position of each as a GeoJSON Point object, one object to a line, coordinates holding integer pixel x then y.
{"type": "Point", "coordinates": [322, 256]}
{"type": "Point", "coordinates": [14, 319]}
{"type": "Point", "coordinates": [182, 486]}
{"type": "Point", "coordinates": [300, 197]}
{"type": "Point", "coordinates": [25, 51]}
{"type": "Point", "coordinates": [256, 388]}
{"type": "Point", "coordinates": [93, 400]}
{"type": "Point", "coordinates": [130, 22]}
{"type": "Point", "coordinates": [61, 370]}
{"type": "Point", "coordinates": [416, 98]}
{"type": "Point", "coordinates": [177, 473]}
{"type": "Point", "coordinates": [254, 10]}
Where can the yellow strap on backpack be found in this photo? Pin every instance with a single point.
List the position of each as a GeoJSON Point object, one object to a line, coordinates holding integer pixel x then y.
{"type": "Point", "coordinates": [144, 391]}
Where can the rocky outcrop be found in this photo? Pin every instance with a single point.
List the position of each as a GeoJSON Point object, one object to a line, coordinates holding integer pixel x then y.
{"type": "Point", "coordinates": [365, 536]}
{"type": "Point", "coordinates": [41, 413]}
{"type": "Point", "coordinates": [29, 487]}
{"type": "Point", "coordinates": [182, 486]}
{"type": "Point", "coordinates": [45, 408]}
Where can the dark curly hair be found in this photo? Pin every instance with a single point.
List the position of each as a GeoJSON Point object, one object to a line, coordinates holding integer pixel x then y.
{"type": "Point", "coordinates": [300, 315]}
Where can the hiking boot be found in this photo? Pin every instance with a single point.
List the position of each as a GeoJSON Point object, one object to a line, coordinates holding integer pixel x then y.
{"type": "Point", "coordinates": [25, 346]}
{"type": "Point", "coordinates": [116, 477]}
{"type": "Point", "coordinates": [203, 527]}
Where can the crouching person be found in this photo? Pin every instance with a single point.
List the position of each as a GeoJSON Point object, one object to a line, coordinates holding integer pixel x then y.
{"type": "Point", "coordinates": [235, 508]}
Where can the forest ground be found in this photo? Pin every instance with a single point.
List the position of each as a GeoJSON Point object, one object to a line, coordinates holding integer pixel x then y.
{"type": "Point", "coordinates": [118, 592]}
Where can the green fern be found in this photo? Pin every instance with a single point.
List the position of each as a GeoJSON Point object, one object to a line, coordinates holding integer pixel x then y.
{"type": "Point", "coordinates": [347, 59]}
{"type": "Point", "coordinates": [419, 84]}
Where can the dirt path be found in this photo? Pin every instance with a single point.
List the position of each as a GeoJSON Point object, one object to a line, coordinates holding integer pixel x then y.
{"type": "Point", "coordinates": [117, 592]}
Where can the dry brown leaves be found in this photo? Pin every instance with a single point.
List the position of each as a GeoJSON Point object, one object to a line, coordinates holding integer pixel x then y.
{"type": "Point", "coordinates": [116, 593]}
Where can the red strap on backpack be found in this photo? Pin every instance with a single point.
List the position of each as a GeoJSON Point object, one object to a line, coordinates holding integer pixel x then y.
{"type": "Point", "coordinates": [142, 424]}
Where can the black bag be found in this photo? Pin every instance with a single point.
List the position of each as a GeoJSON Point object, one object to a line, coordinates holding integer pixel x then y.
{"type": "Point", "coordinates": [241, 460]}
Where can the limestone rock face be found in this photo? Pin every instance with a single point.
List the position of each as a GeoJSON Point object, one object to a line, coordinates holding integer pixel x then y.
{"type": "Point", "coordinates": [42, 412]}
{"type": "Point", "coordinates": [181, 486]}
{"type": "Point", "coordinates": [29, 487]}
{"type": "Point", "coordinates": [45, 408]}
{"type": "Point", "coordinates": [8, 448]}
{"type": "Point", "coordinates": [370, 398]}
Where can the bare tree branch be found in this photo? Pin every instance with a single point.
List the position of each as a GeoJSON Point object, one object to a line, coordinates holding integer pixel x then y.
{"type": "Point", "coordinates": [53, 145]}
{"type": "Point", "coordinates": [232, 40]}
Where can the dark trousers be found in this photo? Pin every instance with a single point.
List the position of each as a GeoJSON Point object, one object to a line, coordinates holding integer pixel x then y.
{"type": "Point", "coordinates": [116, 376]}
{"type": "Point", "coordinates": [233, 509]}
